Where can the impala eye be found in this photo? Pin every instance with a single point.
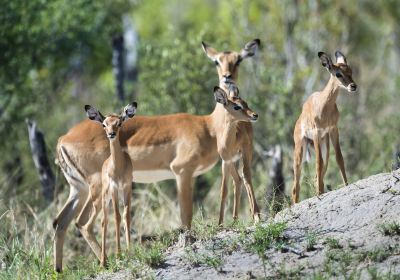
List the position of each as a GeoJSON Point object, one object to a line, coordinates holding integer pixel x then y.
{"type": "Point", "coordinates": [216, 62]}
{"type": "Point", "coordinates": [103, 125]}
{"type": "Point", "coordinates": [237, 107]}
{"type": "Point", "coordinates": [338, 75]}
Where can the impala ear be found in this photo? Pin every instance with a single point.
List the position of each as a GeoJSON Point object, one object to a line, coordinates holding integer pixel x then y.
{"type": "Point", "coordinates": [210, 52]}
{"type": "Point", "coordinates": [94, 114]}
{"type": "Point", "coordinates": [129, 111]}
{"type": "Point", "coordinates": [220, 96]}
{"type": "Point", "coordinates": [340, 58]}
{"type": "Point", "coordinates": [250, 48]}
{"type": "Point", "coordinates": [325, 60]}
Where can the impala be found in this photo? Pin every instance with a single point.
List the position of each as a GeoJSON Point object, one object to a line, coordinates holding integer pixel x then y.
{"type": "Point", "coordinates": [116, 175]}
{"type": "Point", "coordinates": [160, 147]}
{"type": "Point", "coordinates": [227, 64]}
{"type": "Point", "coordinates": [318, 122]}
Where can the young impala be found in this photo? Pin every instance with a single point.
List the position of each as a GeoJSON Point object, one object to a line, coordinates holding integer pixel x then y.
{"type": "Point", "coordinates": [176, 147]}
{"type": "Point", "coordinates": [227, 64]}
{"type": "Point", "coordinates": [227, 144]}
{"type": "Point", "coordinates": [116, 174]}
{"type": "Point", "coordinates": [318, 122]}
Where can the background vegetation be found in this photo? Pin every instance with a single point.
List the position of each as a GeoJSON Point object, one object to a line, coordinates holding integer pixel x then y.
{"type": "Point", "coordinates": [55, 56]}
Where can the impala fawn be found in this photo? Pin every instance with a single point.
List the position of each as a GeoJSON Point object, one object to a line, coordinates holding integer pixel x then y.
{"type": "Point", "coordinates": [116, 175]}
{"type": "Point", "coordinates": [318, 122]}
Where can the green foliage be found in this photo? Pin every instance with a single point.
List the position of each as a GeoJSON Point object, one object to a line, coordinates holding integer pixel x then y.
{"type": "Point", "coordinates": [391, 228]}
{"type": "Point", "coordinates": [311, 239]}
{"type": "Point", "coordinates": [265, 237]}
{"type": "Point", "coordinates": [151, 254]}
{"type": "Point", "coordinates": [333, 243]}
{"type": "Point", "coordinates": [196, 258]}
{"type": "Point", "coordinates": [56, 57]}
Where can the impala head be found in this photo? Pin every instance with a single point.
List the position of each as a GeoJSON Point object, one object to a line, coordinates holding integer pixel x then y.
{"type": "Point", "coordinates": [111, 123]}
{"type": "Point", "coordinates": [234, 105]}
{"type": "Point", "coordinates": [228, 62]}
{"type": "Point", "coordinates": [340, 70]}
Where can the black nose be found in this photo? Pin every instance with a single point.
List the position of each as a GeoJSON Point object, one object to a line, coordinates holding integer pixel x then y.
{"type": "Point", "coordinates": [353, 87]}
{"type": "Point", "coordinates": [227, 76]}
{"type": "Point", "coordinates": [255, 116]}
{"type": "Point", "coordinates": [112, 134]}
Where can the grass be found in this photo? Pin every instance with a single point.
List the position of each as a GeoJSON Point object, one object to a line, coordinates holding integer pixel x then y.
{"type": "Point", "coordinates": [196, 258]}
{"type": "Point", "coordinates": [266, 236]}
{"type": "Point", "coordinates": [390, 229]}
{"type": "Point", "coordinates": [333, 243]}
{"type": "Point", "coordinates": [311, 240]}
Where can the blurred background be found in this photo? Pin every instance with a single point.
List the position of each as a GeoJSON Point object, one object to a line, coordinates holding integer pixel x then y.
{"type": "Point", "coordinates": [56, 56]}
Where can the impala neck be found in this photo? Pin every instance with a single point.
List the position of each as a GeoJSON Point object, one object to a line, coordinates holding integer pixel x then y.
{"type": "Point", "coordinates": [224, 126]}
{"type": "Point", "coordinates": [330, 93]}
{"type": "Point", "coordinates": [116, 152]}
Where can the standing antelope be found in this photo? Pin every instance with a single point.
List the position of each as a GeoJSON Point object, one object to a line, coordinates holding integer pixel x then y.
{"type": "Point", "coordinates": [227, 64]}
{"type": "Point", "coordinates": [227, 144]}
{"type": "Point", "coordinates": [178, 146]}
{"type": "Point", "coordinates": [318, 122]}
{"type": "Point", "coordinates": [116, 174]}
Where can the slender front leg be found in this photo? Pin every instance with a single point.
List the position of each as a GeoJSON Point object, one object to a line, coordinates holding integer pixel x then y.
{"type": "Point", "coordinates": [297, 161]}
{"type": "Point", "coordinates": [127, 213]}
{"type": "Point", "coordinates": [103, 258]}
{"type": "Point", "coordinates": [247, 157]}
{"type": "Point", "coordinates": [237, 181]}
{"type": "Point", "coordinates": [117, 218]}
{"type": "Point", "coordinates": [184, 181]}
{"type": "Point", "coordinates": [224, 190]}
{"type": "Point", "coordinates": [334, 134]}
{"type": "Point", "coordinates": [319, 165]}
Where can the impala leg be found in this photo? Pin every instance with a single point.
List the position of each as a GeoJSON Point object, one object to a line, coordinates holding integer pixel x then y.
{"type": "Point", "coordinates": [127, 214]}
{"type": "Point", "coordinates": [184, 181]}
{"type": "Point", "coordinates": [105, 203]}
{"type": "Point", "coordinates": [87, 217]}
{"type": "Point", "coordinates": [61, 222]}
{"type": "Point", "coordinates": [326, 159]}
{"type": "Point", "coordinates": [224, 190]}
{"type": "Point", "coordinates": [334, 135]}
{"type": "Point", "coordinates": [117, 217]}
{"type": "Point", "coordinates": [247, 157]}
{"type": "Point", "coordinates": [237, 181]}
{"type": "Point", "coordinates": [319, 165]}
{"type": "Point", "coordinates": [297, 161]}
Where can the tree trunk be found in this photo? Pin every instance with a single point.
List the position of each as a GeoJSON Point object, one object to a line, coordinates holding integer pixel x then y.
{"type": "Point", "coordinates": [39, 154]}
{"type": "Point", "coordinates": [275, 193]}
{"type": "Point", "coordinates": [118, 66]}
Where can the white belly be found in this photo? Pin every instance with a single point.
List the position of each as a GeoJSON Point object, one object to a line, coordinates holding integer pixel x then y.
{"type": "Point", "coordinates": [203, 169]}
{"type": "Point", "coordinates": [154, 176]}
{"type": "Point", "coordinates": [310, 133]}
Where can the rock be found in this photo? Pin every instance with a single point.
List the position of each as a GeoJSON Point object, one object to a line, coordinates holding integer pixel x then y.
{"type": "Point", "coordinates": [341, 226]}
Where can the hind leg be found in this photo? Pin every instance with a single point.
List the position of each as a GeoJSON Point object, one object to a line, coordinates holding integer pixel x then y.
{"type": "Point", "coordinates": [87, 217]}
{"type": "Point", "coordinates": [297, 161]}
{"type": "Point", "coordinates": [325, 141]}
{"type": "Point", "coordinates": [70, 210]}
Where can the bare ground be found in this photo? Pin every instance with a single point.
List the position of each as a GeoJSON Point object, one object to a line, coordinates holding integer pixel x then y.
{"type": "Point", "coordinates": [336, 235]}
